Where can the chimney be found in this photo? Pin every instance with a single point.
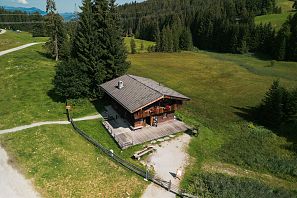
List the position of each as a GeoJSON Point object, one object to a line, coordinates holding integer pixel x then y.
{"type": "Point", "coordinates": [120, 84]}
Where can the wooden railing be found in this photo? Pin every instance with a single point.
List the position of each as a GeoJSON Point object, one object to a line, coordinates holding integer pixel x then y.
{"type": "Point", "coordinates": [155, 111]}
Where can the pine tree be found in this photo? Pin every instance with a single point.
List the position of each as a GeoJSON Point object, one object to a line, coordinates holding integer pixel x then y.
{"type": "Point", "coordinates": [116, 64]}
{"type": "Point", "coordinates": [185, 40]}
{"type": "Point", "coordinates": [56, 30]}
{"type": "Point", "coordinates": [295, 5]}
{"type": "Point", "coordinates": [98, 52]}
{"type": "Point", "coordinates": [70, 81]}
{"type": "Point", "coordinates": [158, 39]}
{"type": "Point", "coordinates": [281, 41]}
{"type": "Point", "coordinates": [271, 109]}
{"type": "Point", "coordinates": [133, 46]}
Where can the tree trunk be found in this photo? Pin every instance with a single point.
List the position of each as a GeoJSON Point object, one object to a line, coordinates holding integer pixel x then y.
{"type": "Point", "coordinates": [56, 47]}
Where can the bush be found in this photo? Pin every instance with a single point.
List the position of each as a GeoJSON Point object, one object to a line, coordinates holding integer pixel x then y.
{"type": "Point", "coordinates": [259, 149]}
{"type": "Point", "coordinates": [222, 186]}
{"type": "Point", "coordinates": [70, 82]}
{"type": "Point", "coordinates": [278, 107]}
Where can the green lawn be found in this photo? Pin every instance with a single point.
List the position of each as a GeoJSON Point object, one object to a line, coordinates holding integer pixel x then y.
{"type": "Point", "coordinates": [62, 164]}
{"type": "Point", "coordinates": [277, 19]}
{"type": "Point", "coordinates": [58, 160]}
{"type": "Point", "coordinates": [138, 42]}
{"type": "Point", "coordinates": [220, 84]}
{"type": "Point", "coordinates": [286, 5]}
{"type": "Point", "coordinates": [12, 39]}
{"type": "Point", "coordinates": [25, 78]}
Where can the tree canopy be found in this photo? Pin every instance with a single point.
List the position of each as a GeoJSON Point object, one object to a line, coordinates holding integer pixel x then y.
{"type": "Point", "coordinates": [97, 54]}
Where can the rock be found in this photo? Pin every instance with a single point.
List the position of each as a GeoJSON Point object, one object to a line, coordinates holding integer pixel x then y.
{"type": "Point", "coordinates": [160, 140]}
{"type": "Point", "coordinates": [171, 136]}
{"type": "Point", "coordinates": [153, 142]}
{"type": "Point", "coordinates": [166, 138]}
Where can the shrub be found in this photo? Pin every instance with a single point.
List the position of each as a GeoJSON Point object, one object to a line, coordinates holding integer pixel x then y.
{"type": "Point", "coordinates": [259, 149]}
{"type": "Point", "coordinates": [222, 186]}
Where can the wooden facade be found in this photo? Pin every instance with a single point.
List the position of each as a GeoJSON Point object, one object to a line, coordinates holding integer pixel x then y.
{"type": "Point", "coordinates": [142, 101]}
{"type": "Point", "coordinates": [160, 111]}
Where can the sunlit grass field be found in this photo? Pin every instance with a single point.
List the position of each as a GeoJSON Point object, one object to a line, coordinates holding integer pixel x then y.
{"type": "Point", "coordinates": [219, 85]}
{"type": "Point", "coordinates": [61, 163]}
{"type": "Point", "coordinates": [277, 19]}
{"type": "Point", "coordinates": [138, 42]}
{"type": "Point", "coordinates": [12, 39]}
{"type": "Point", "coordinates": [25, 91]}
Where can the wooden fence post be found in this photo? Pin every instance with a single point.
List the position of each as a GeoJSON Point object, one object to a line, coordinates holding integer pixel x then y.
{"type": "Point", "coordinates": [169, 185]}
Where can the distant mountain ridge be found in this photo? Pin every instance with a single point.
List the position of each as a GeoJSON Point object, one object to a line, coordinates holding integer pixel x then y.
{"type": "Point", "coordinates": [67, 16]}
{"type": "Point", "coordinates": [23, 9]}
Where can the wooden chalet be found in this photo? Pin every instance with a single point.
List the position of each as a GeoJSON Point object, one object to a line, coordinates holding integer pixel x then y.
{"type": "Point", "coordinates": [143, 101]}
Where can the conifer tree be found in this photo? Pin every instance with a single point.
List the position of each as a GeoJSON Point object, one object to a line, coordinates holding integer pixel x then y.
{"type": "Point", "coordinates": [295, 5]}
{"type": "Point", "coordinates": [185, 40]}
{"type": "Point", "coordinates": [271, 111]}
{"type": "Point", "coordinates": [98, 53]}
{"type": "Point", "coordinates": [56, 30]}
{"type": "Point", "coordinates": [133, 46]}
{"type": "Point", "coordinates": [116, 64]}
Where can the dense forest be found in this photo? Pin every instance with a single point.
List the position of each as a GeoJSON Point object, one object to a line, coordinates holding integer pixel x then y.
{"type": "Point", "coordinates": [22, 21]}
{"type": "Point", "coordinates": [218, 25]}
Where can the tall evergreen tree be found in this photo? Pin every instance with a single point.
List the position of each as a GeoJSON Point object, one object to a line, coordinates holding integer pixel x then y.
{"type": "Point", "coordinates": [97, 53]}
{"type": "Point", "coordinates": [117, 64]}
{"type": "Point", "coordinates": [295, 5]}
{"type": "Point", "coordinates": [133, 46]}
{"type": "Point", "coordinates": [185, 40]}
{"type": "Point", "coordinates": [56, 29]}
{"type": "Point", "coordinates": [271, 112]}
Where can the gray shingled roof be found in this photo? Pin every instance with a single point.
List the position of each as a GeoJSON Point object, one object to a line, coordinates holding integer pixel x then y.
{"type": "Point", "coordinates": [138, 92]}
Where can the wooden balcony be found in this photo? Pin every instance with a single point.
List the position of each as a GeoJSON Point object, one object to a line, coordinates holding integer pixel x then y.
{"type": "Point", "coordinates": [155, 111]}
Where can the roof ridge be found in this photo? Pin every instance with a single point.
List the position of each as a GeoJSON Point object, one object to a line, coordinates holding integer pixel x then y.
{"type": "Point", "coordinates": [131, 76]}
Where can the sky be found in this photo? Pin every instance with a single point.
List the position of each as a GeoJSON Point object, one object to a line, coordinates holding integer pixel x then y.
{"type": "Point", "coordinates": [62, 5]}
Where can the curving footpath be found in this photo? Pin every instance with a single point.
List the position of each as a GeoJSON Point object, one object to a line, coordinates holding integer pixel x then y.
{"type": "Point", "coordinates": [19, 48]}
{"type": "Point", "coordinates": [21, 128]}
{"type": "Point", "coordinates": [12, 183]}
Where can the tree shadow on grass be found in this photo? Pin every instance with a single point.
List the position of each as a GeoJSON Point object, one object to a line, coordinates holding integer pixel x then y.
{"type": "Point", "coordinates": [247, 113]}
{"type": "Point", "coordinates": [99, 104]}
{"type": "Point", "coordinates": [287, 130]}
{"type": "Point", "coordinates": [44, 54]}
{"type": "Point", "coordinates": [51, 93]}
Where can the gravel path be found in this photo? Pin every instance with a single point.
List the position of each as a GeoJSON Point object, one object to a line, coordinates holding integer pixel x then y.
{"type": "Point", "coordinates": [18, 48]}
{"type": "Point", "coordinates": [12, 183]}
{"type": "Point", "coordinates": [20, 128]}
{"type": "Point", "coordinates": [166, 160]}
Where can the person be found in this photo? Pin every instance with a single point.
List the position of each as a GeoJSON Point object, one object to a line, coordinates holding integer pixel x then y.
{"type": "Point", "coordinates": [178, 173]}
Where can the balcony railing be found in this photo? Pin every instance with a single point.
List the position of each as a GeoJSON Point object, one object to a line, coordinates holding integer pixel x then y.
{"type": "Point", "coordinates": [155, 111]}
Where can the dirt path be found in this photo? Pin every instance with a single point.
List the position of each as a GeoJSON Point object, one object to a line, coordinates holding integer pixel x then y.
{"type": "Point", "coordinates": [20, 128]}
{"type": "Point", "coordinates": [169, 157]}
{"type": "Point", "coordinates": [18, 48]}
{"type": "Point", "coordinates": [12, 183]}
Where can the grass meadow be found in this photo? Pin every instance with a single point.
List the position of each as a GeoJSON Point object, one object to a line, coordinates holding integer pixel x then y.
{"type": "Point", "coordinates": [220, 85]}
{"type": "Point", "coordinates": [277, 19]}
{"type": "Point", "coordinates": [58, 161]}
{"type": "Point", "coordinates": [62, 164]}
{"type": "Point", "coordinates": [25, 91]}
{"type": "Point", "coordinates": [138, 43]}
{"type": "Point", "coordinates": [13, 39]}
{"type": "Point", "coordinates": [229, 151]}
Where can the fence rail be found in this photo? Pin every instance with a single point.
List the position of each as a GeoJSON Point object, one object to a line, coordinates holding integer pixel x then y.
{"type": "Point", "coordinates": [140, 171]}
